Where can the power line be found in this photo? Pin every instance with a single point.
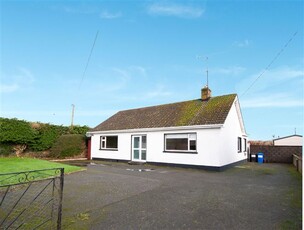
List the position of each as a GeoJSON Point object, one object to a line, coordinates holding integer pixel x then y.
{"type": "Point", "coordinates": [272, 61]}
{"type": "Point", "coordinates": [87, 64]}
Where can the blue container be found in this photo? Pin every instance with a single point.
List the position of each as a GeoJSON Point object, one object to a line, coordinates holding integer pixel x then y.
{"type": "Point", "coordinates": [260, 157]}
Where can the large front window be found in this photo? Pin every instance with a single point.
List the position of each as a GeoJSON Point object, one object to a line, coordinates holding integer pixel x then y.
{"type": "Point", "coordinates": [185, 142]}
{"type": "Point", "coordinates": [109, 142]}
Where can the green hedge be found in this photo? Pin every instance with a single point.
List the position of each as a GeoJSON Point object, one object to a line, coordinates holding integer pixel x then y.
{"type": "Point", "coordinates": [68, 146]}
{"type": "Point", "coordinates": [36, 136]}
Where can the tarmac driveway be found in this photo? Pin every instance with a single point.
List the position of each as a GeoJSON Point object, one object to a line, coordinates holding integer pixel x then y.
{"type": "Point", "coordinates": [122, 196]}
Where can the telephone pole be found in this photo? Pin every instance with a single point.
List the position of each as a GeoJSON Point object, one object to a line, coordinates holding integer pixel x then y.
{"type": "Point", "coordinates": [72, 122]}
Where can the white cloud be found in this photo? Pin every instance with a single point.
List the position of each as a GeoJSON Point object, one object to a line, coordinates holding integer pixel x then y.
{"type": "Point", "coordinates": [232, 70]}
{"type": "Point", "coordinates": [107, 15]}
{"type": "Point", "coordinates": [242, 44]}
{"type": "Point", "coordinates": [83, 9]}
{"type": "Point", "coordinates": [158, 92]}
{"type": "Point", "coordinates": [274, 100]}
{"type": "Point", "coordinates": [182, 11]}
{"type": "Point", "coordinates": [17, 81]}
{"type": "Point", "coordinates": [8, 88]}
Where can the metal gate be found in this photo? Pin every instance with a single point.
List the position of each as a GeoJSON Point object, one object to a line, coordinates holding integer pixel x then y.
{"type": "Point", "coordinates": [31, 199]}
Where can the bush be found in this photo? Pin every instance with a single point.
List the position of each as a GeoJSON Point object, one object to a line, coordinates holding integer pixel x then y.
{"type": "Point", "coordinates": [35, 136]}
{"type": "Point", "coordinates": [6, 149]}
{"type": "Point", "coordinates": [68, 146]}
{"type": "Point", "coordinates": [16, 131]}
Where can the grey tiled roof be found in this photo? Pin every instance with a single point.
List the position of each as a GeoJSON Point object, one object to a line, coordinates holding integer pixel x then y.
{"type": "Point", "coordinates": [186, 113]}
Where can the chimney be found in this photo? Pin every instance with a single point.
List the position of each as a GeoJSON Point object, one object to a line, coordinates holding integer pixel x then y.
{"type": "Point", "coordinates": [205, 93]}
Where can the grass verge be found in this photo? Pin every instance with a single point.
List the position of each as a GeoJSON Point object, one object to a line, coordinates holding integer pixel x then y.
{"type": "Point", "coordinates": [14, 164]}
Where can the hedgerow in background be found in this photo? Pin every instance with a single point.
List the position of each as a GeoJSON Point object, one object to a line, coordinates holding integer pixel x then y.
{"type": "Point", "coordinates": [33, 136]}
{"type": "Point", "coordinates": [46, 135]}
{"type": "Point", "coordinates": [13, 131]}
{"type": "Point", "coordinates": [68, 146]}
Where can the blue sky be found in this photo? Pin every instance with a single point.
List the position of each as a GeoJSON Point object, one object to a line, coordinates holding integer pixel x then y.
{"type": "Point", "coordinates": [146, 54]}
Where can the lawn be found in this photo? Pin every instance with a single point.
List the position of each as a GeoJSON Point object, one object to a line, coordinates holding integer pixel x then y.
{"type": "Point", "coordinates": [14, 164]}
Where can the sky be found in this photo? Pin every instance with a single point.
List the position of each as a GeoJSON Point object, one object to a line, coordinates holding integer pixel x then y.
{"type": "Point", "coordinates": [150, 53]}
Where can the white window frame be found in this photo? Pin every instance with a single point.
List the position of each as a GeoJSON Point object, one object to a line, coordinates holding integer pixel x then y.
{"type": "Point", "coordinates": [189, 136]}
{"type": "Point", "coordinates": [103, 142]}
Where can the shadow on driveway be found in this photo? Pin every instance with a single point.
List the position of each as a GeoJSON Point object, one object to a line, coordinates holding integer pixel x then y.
{"type": "Point", "coordinates": [121, 196]}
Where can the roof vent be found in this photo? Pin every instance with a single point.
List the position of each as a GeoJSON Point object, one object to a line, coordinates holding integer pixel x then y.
{"type": "Point", "coordinates": [205, 93]}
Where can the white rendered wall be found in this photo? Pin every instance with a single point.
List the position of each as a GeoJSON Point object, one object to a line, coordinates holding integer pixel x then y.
{"type": "Point", "coordinates": [208, 147]}
{"type": "Point", "coordinates": [229, 135]}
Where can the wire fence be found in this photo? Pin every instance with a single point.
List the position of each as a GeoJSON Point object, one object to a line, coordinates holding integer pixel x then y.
{"type": "Point", "coordinates": [31, 199]}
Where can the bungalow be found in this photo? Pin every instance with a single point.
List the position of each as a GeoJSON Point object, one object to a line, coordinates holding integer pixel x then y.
{"type": "Point", "coordinates": [206, 133]}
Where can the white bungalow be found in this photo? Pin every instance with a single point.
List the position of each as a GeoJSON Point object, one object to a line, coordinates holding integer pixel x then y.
{"type": "Point", "coordinates": [205, 133]}
{"type": "Point", "coordinates": [292, 140]}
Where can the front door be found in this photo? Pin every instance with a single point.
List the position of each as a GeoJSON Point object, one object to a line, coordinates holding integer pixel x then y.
{"type": "Point", "coordinates": [139, 148]}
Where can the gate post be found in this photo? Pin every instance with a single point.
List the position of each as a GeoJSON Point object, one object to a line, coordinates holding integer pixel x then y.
{"type": "Point", "coordinates": [60, 199]}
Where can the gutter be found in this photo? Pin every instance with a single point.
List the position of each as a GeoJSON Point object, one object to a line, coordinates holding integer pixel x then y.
{"type": "Point", "coordinates": [177, 128]}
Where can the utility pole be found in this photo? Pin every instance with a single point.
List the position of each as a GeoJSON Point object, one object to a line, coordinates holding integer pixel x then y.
{"type": "Point", "coordinates": [72, 122]}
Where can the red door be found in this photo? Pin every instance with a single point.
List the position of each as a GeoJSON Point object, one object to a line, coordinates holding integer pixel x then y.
{"type": "Point", "coordinates": [89, 149]}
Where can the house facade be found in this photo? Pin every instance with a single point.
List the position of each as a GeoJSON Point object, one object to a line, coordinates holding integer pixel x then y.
{"type": "Point", "coordinates": [207, 133]}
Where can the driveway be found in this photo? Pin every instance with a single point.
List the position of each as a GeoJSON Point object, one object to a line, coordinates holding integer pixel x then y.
{"type": "Point", "coordinates": [121, 196]}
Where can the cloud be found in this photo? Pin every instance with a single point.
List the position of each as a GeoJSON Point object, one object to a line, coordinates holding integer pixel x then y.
{"type": "Point", "coordinates": [242, 44]}
{"type": "Point", "coordinates": [83, 9]}
{"type": "Point", "coordinates": [107, 15]}
{"type": "Point", "coordinates": [17, 81]}
{"type": "Point", "coordinates": [8, 88]}
{"type": "Point", "coordinates": [274, 100]}
{"type": "Point", "coordinates": [233, 70]}
{"type": "Point", "coordinates": [158, 92]}
{"type": "Point", "coordinates": [165, 9]}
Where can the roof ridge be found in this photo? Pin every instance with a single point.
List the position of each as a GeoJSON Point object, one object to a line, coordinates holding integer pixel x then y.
{"type": "Point", "coordinates": [172, 103]}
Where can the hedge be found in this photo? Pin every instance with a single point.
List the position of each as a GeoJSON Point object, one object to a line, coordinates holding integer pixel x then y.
{"type": "Point", "coordinates": [68, 146]}
{"type": "Point", "coordinates": [36, 136]}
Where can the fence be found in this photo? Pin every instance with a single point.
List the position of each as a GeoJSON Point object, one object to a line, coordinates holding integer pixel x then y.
{"type": "Point", "coordinates": [297, 162]}
{"type": "Point", "coordinates": [31, 199]}
{"type": "Point", "coordinates": [276, 154]}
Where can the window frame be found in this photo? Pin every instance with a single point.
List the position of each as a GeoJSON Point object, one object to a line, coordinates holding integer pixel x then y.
{"type": "Point", "coordinates": [239, 144]}
{"type": "Point", "coordinates": [103, 139]}
{"type": "Point", "coordinates": [188, 151]}
{"type": "Point", "coordinates": [245, 144]}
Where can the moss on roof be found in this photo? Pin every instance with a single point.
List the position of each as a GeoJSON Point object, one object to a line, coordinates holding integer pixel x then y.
{"type": "Point", "coordinates": [186, 113]}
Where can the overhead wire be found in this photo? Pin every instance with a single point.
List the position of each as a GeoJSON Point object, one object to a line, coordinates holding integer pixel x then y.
{"type": "Point", "coordinates": [272, 61]}
{"type": "Point", "coordinates": [88, 61]}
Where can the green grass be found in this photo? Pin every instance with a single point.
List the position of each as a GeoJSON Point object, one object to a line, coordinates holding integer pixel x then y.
{"type": "Point", "coordinates": [14, 164]}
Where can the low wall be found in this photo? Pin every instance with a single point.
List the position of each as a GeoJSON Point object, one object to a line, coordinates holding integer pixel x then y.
{"type": "Point", "coordinates": [277, 154]}
{"type": "Point", "coordinates": [297, 162]}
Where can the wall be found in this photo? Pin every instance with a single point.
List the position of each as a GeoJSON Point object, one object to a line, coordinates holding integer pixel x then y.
{"type": "Point", "coordinates": [276, 154]}
{"type": "Point", "coordinates": [229, 134]}
{"type": "Point", "coordinates": [208, 147]}
{"type": "Point", "coordinates": [297, 162]}
{"type": "Point", "coordinates": [289, 141]}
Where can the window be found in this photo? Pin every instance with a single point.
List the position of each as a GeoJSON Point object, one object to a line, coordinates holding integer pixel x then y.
{"type": "Point", "coordinates": [109, 142]}
{"type": "Point", "coordinates": [245, 145]}
{"type": "Point", "coordinates": [185, 142]}
{"type": "Point", "coordinates": [239, 144]}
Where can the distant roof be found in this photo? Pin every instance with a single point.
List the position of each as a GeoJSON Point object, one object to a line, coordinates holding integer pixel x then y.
{"type": "Point", "coordinates": [186, 113]}
{"type": "Point", "coordinates": [294, 135]}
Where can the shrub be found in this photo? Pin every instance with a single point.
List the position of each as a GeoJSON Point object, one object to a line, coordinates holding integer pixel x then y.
{"type": "Point", "coordinates": [16, 131]}
{"type": "Point", "coordinates": [6, 149]}
{"type": "Point", "coordinates": [68, 146]}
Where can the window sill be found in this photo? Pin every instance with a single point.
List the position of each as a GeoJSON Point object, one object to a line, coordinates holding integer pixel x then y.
{"type": "Point", "coordinates": [108, 149]}
{"type": "Point", "coordinates": [185, 152]}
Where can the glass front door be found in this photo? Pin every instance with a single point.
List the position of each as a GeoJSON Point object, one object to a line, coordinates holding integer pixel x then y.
{"type": "Point", "coordinates": [139, 148]}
